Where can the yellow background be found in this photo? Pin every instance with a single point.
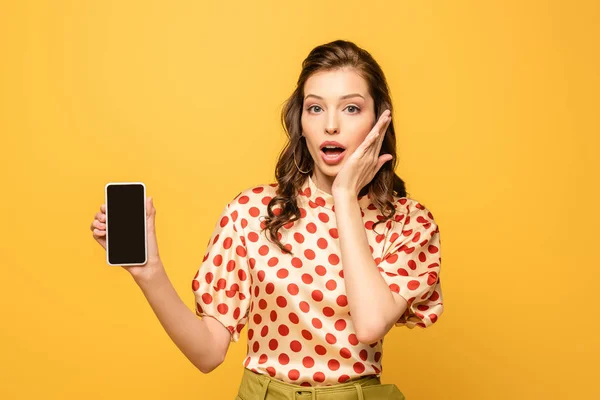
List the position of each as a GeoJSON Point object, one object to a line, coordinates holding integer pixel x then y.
{"type": "Point", "coordinates": [496, 110]}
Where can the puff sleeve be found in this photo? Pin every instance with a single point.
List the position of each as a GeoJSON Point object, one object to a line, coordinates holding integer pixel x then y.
{"type": "Point", "coordinates": [412, 264]}
{"type": "Point", "coordinates": [222, 284]}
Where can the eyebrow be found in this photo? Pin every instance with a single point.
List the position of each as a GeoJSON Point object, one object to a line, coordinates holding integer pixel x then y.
{"type": "Point", "coordinates": [347, 96]}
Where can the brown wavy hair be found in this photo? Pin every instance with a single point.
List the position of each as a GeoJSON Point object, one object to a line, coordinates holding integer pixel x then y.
{"type": "Point", "coordinates": [330, 56]}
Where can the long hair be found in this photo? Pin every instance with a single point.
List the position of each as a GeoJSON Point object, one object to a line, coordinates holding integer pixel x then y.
{"type": "Point", "coordinates": [283, 208]}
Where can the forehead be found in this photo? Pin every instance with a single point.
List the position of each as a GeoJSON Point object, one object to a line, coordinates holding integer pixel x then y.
{"type": "Point", "coordinates": [336, 83]}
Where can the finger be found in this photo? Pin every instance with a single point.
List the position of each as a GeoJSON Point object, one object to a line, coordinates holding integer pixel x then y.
{"type": "Point", "coordinates": [103, 208]}
{"type": "Point", "coordinates": [100, 217]}
{"type": "Point", "coordinates": [375, 143]}
{"type": "Point", "coordinates": [99, 232]}
{"type": "Point", "coordinates": [98, 224]}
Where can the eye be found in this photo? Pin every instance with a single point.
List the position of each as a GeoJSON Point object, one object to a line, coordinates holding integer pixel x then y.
{"type": "Point", "coordinates": [355, 107]}
{"type": "Point", "coordinates": [310, 108]}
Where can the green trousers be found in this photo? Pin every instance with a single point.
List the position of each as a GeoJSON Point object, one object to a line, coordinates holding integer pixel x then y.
{"type": "Point", "coordinates": [262, 387]}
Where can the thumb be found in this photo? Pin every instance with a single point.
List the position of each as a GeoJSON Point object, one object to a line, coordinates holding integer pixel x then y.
{"type": "Point", "coordinates": [150, 222]}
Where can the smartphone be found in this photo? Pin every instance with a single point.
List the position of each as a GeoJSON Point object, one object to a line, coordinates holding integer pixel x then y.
{"type": "Point", "coordinates": [126, 238]}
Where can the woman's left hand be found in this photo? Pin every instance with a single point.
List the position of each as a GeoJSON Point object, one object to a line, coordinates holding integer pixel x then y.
{"type": "Point", "coordinates": [362, 165]}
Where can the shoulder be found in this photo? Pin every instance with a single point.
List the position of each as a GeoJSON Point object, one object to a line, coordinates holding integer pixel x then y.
{"type": "Point", "coordinates": [411, 212]}
{"type": "Point", "coordinates": [252, 200]}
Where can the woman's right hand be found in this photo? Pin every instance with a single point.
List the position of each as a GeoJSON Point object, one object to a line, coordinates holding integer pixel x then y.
{"type": "Point", "coordinates": [154, 263]}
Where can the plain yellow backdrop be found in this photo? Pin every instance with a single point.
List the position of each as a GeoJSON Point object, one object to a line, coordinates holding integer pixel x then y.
{"type": "Point", "coordinates": [496, 111]}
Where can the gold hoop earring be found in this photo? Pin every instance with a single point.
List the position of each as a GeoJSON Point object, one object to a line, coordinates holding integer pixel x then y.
{"type": "Point", "coordinates": [294, 157]}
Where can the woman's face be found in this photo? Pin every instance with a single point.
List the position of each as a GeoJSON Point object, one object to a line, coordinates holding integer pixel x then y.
{"type": "Point", "coordinates": [337, 107]}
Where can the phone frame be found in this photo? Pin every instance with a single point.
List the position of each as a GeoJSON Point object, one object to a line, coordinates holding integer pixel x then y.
{"type": "Point", "coordinates": [145, 221]}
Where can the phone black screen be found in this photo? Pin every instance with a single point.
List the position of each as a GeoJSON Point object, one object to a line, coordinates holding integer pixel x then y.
{"type": "Point", "coordinates": [126, 224]}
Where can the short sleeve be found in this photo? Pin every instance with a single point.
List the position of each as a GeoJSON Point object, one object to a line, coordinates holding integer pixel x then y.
{"type": "Point", "coordinates": [411, 267]}
{"type": "Point", "coordinates": [222, 284]}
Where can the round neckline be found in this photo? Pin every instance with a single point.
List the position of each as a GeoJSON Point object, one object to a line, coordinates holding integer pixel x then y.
{"type": "Point", "coordinates": [319, 198]}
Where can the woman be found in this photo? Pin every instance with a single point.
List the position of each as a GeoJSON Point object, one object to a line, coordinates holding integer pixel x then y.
{"type": "Point", "coordinates": [323, 263]}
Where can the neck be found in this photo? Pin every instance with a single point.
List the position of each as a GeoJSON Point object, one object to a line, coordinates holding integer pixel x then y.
{"type": "Point", "coordinates": [322, 181]}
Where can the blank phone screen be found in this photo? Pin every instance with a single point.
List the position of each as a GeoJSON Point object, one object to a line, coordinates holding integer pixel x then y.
{"type": "Point", "coordinates": [125, 228]}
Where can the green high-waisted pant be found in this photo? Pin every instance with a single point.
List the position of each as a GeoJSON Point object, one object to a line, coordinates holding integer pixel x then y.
{"type": "Point", "coordinates": [262, 387]}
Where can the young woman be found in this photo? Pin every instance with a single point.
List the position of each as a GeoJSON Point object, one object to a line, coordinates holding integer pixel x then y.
{"type": "Point", "coordinates": [322, 263]}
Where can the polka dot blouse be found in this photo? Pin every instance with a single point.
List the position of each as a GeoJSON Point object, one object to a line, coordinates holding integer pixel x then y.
{"type": "Point", "coordinates": [299, 327]}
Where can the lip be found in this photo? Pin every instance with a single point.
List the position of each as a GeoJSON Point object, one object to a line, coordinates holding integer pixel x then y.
{"type": "Point", "coordinates": [332, 143]}
{"type": "Point", "coordinates": [332, 160]}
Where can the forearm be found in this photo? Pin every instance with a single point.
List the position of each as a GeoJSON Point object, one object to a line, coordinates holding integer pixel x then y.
{"type": "Point", "coordinates": [372, 305]}
{"type": "Point", "coordinates": [189, 333]}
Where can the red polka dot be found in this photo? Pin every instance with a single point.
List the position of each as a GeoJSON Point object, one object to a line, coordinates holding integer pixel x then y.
{"type": "Point", "coordinates": [333, 232]}
{"type": "Point", "coordinates": [273, 261]}
{"type": "Point", "coordinates": [293, 374]}
{"type": "Point", "coordinates": [304, 306]}
{"type": "Point", "coordinates": [333, 259]}
{"type": "Point", "coordinates": [299, 237]}
{"type": "Point", "coordinates": [262, 304]}
{"type": "Point", "coordinates": [263, 359]}
{"type": "Point", "coordinates": [263, 250]}
{"type": "Point", "coordinates": [273, 344]}
{"type": "Point", "coordinates": [273, 316]}
{"type": "Point", "coordinates": [207, 298]}
{"type": "Point", "coordinates": [296, 346]}
{"type": "Point", "coordinates": [363, 354]}
{"type": "Point", "coordinates": [320, 270]}
{"type": "Point", "coordinates": [293, 289]}
{"type": "Point", "coordinates": [345, 353]}
{"type": "Point", "coordinates": [281, 301]}
{"type": "Point", "coordinates": [306, 334]}
{"type": "Point", "coordinates": [310, 254]}
{"type": "Point", "coordinates": [413, 285]}
{"type": "Point", "coordinates": [242, 275]}
{"type": "Point", "coordinates": [320, 350]}
{"type": "Point", "coordinates": [294, 318]}
{"type": "Point", "coordinates": [331, 284]}
{"type": "Point", "coordinates": [283, 330]}
{"type": "Point", "coordinates": [317, 323]}
{"type": "Point", "coordinates": [222, 308]}
{"type": "Point", "coordinates": [343, 378]}
{"type": "Point", "coordinates": [264, 331]}
{"type": "Point", "coordinates": [324, 217]}
{"type": "Point", "coordinates": [322, 243]}
{"type": "Point", "coordinates": [271, 371]}
{"type": "Point", "coordinates": [319, 376]}
{"type": "Point", "coordinates": [306, 278]}
{"type": "Point", "coordinates": [311, 227]}
{"type": "Point", "coordinates": [270, 288]}
{"type": "Point", "coordinates": [243, 199]}
{"type": "Point", "coordinates": [317, 295]}
{"type": "Point", "coordinates": [254, 211]}
{"type": "Point", "coordinates": [308, 362]}
{"type": "Point", "coordinates": [330, 338]}
{"type": "Point", "coordinates": [359, 367]}
{"type": "Point", "coordinates": [333, 365]}
{"type": "Point", "coordinates": [340, 324]}
{"type": "Point", "coordinates": [342, 300]}
{"type": "Point", "coordinates": [284, 359]}
{"type": "Point", "coordinates": [282, 273]}
{"type": "Point", "coordinates": [253, 237]}
{"type": "Point", "coordinates": [353, 339]}
{"type": "Point", "coordinates": [328, 311]}
{"type": "Point", "coordinates": [296, 262]}
{"type": "Point", "coordinates": [224, 221]}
